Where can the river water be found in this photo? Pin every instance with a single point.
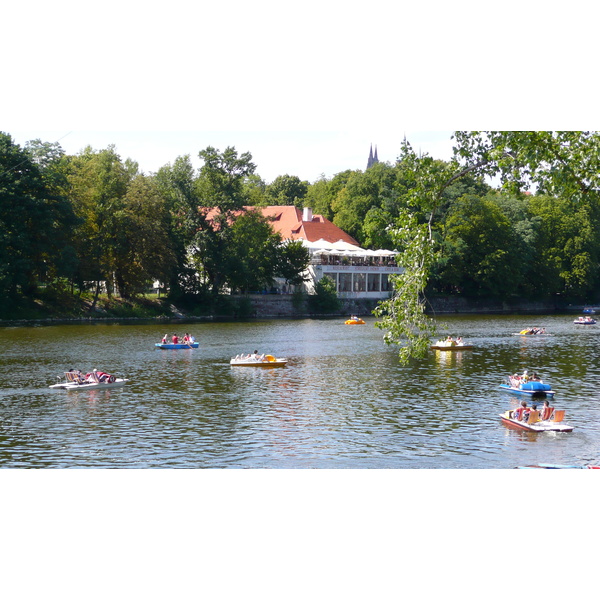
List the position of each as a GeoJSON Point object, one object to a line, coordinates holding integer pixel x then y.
{"type": "Point", "coordinates": [343, 401]}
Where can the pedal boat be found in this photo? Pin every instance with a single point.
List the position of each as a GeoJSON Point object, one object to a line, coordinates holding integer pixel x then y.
{"type": "Point", "coordinates": [444, 345]}
{"type": "Point", "coordinates": [534, 389]}
{"type": "Point", "coordinates": [262, 361]}
{"type": "Point", "coordinates": [354, 322]}
{"type": "Point", "coordinates": [585, 321]}
{"type": "Point", "coordinates": [176, 346]}
{"type": "Point", "coordinates": [533, 331]}
{"type": "Point", "coordinates": [74, 381]}
{"type": "Point", "coordinates": [534, 423]}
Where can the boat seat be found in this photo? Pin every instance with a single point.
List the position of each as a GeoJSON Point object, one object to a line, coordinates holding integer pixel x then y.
{"type": "Point", "coordinates": [559, 415]}
{"type": "Point", "coordinates": [73, 377]}
{"type": "Point", "coordinates": [534, 417]}
{"type": "Point", "coordinates": [547, 413]}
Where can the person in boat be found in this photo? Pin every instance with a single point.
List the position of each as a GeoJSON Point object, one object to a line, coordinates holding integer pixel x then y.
{"type": "Point", "coordinates": [518, 414]}
{"type": "Point", "coordinates": [175, 339]}
{"type": "Point", "coordinates": [525, 376]}
{"type": "Point", "coordinates": [255, 356]}
{"type": "Point", "coordinates": [186, 338]}
{"type": "Point", "coordinates": [459, 341]}
{"type": "Point", "coordinates": [165, 339]}
{"type": "Point", "coordinates": [547, 411]}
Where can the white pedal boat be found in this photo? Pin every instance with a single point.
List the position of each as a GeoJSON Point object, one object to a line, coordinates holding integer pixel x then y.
{"type": "Point", "coordinates": [75, 380]}
{"type": "Point", "coordinates": [266, 360]}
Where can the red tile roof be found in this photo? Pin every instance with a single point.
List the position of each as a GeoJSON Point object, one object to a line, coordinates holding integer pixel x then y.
{"type": "Point", "coordinates": [287, 220]}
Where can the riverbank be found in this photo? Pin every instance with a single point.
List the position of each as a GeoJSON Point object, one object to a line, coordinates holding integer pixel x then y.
{"type": "Point", "coordinates": [256, 306]}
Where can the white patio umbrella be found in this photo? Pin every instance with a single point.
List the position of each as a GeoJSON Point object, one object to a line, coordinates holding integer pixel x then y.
{"type": "Point", "coordinates": [341, 245]}
{"type": "Point", "coordinates": [321, 245]}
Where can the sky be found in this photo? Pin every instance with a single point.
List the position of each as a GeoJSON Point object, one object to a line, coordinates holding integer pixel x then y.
{"type": "Point", "coordinates": [306, 89]}
{"type": "Point", "coordinates": [308, 155]}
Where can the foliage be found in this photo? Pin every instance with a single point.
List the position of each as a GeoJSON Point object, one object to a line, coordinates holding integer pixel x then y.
{"type": "Point", "coordinates": [483, 249]}
{"type": "Point", "coordinates": [35, 217]}
{"type": "Point", "coordinates": [253, 253]}
{"type": "Point", "coordinates": [325, 298]}
{"type": "Point", "coordinates": [220, 192]}
{"type": "Point", "coordinates": [286, 190]}
{"type": "Point", "coordinates": [294, 259]}
{"type": "Point", "coordinates": [143, 252]}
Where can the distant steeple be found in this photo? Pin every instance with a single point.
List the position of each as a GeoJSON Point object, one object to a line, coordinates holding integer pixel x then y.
{"type": "Point", "coordinates": [372, 157]}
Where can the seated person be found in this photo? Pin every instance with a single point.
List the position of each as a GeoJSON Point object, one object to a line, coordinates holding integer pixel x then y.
{"type": "Point", "coordinates": [547, 411]}
{"type": "Point", "coordinates": [519, 414]}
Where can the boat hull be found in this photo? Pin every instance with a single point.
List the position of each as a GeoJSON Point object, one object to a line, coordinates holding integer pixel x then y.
{"type": "Point", "coordinates": [270, 361]}
{"type": "Point", "coordinates": [534, 393]}
{"type": "Point", "coordinates": [452, 348]}
{"type": "Point", "coordinates": [539, 427]}
{"type": "Point", "coordinates": [89, 386]}
{"type": "Point", "coordinates": [176, 346]}
{"type": "Point", "coordinates": [354, 322]}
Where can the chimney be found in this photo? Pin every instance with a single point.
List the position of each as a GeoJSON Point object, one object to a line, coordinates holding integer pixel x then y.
{"type": "Point", "coordinates": [307, 214]}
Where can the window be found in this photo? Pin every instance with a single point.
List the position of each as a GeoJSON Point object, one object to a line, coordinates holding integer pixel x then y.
{"type": "Point", "coordinates": [345, 282]}
{"type": "Point", "coordinates": [373, 282]}
{"type": "Point", "coordinates": [360, 282]}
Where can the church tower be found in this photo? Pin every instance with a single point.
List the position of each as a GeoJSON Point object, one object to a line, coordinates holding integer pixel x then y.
{"type": "Point", "coordinates": [372, 157]}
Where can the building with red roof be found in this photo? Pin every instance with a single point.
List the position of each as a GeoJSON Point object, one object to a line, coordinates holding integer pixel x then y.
{"type": "Point", "coordinates": [356, 272]}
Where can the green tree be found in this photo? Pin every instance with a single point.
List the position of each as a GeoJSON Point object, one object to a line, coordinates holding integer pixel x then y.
{"type": "Point", "coordinates": [484, 262]}
{"type": "Point", "coordinates": [322, 193]}
{"type": "Point", "coordinates": [177, 185]}
{"type": "Point", "coordinates": [364, 191]}
{"type": "Point", "coordinates": [98, 184]}
{"type": "Point", "coordinates": [566, 261]}
{"type": "Point", "coordinates": [255, 191]}
{"type": "Point", "coordinates": [287, 190]}
{"type": "Point", "coordinates": [220, 189]}
{"type": "Point", "coordinates": [143, 250]}
{"type": "Point", "coordinates": [325, 298]}
{"type": "Point", "coordinates": [294, 259]}
{"type": "Point", "coordinates": [35, 220]}
{"type": "Point", "coordinates": [253, 254]}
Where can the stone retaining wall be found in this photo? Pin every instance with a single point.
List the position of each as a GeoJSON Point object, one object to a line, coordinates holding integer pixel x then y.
{"type": "Point", "coordinates": [280, 305]}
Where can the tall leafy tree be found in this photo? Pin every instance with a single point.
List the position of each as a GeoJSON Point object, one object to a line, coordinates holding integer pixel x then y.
{"type": "Point", "coordinates": [35, 219]}
{"type": "Point", "coordinates": [253, 254]}
{"type": "Point", "coordinates": [143, 250]}
{"type": "Point", "coordinates": [287, 190]}
{"type": "Point", "coordinates": [485, 260]}
{"type": "Point", "coordinates": [220, 189]}
{"type": "Point", "coordinates": [294, 259]}
{"type": "Point", "coordinates": [177, 185]}
{"type": "Point", "coordinates": [98, 184]}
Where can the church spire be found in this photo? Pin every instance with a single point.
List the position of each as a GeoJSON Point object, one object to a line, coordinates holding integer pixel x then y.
{"type": "Point", "coordinates": [372, 157]}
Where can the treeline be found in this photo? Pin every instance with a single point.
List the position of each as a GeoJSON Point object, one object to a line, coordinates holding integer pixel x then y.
{"type": "Point", "coordinates": [93, 222]}
{"type": "Point", "coordinates": [87, 222]}
{"type": "Point", "coordinates": [490, 243]}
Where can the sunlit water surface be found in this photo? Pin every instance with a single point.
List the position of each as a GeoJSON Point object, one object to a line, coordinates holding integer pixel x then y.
{"type": "Point", "coordinates": [343, 401]}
